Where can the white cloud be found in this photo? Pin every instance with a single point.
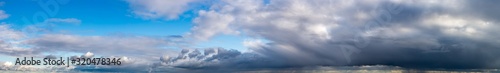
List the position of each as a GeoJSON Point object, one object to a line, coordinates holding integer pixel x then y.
{"type": "Point", "coordinates": [138, 46]}
{"type": "Point", "coordinates": [5, 65]}
{"type": "Point", "coordinates": [459, 26]}
{"type": "Point", "coordinates": [210, 24]}
{"type": "Point", "coordinates": [10, 42]}
{"type": "Point", "coordinates": [63, 20]}
{"type": "Point", "coordinates": [8, 33]}
{"type": "Point", "coordinates": [159, 9]}
{"type": "Point", "coordinates": [49, 24]}
{"type": "Point", "coordinates": [9, 66]}
{"type": "Point", "coordinates": [253, 43]}
{"type": "Point", "coordinates": [88, 55]}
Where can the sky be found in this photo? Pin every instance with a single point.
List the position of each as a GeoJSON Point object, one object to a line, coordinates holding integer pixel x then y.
{"type": "Point", "coordinates": [231, 35]}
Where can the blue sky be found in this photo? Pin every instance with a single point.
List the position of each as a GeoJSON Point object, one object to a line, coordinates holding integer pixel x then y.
{"type": "Point", "coordinates": [232, 35]}
{"type": "Point", "coordinates": [112, 16]}
{"type": "Point", "coordinates": [107, 18]}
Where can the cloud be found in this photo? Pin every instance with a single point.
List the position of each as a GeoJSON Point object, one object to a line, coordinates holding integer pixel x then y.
{"type": "Point", "coordinates": [210, 24]}
{"type": "Point", "coordinates": [8, 33]}
{"type": "Point", "coordinates": [10, 42]}
{"type": "Point", "coordinates": [195, 59]}
{"type": "Point", "coordinates": [298, 34]}
{"type": "Point", "coordinates": [104, 45]}
{"type": "Point", "coordinates": [5, 65]}
{"type": "Point", "coordinates": [159, 9]}
{"type": "Point", "coordinates": [88, 55]}
{"type": "Point", "coordinates": [63, 20]}
{"type": "Point", "coordinates": [49, 24]}
{"type": "Point", "coordinates": [9, 66]}
{"type": "Point", "coordinates": [3, 15]}
{"type": "Point", "coordinates": [213, 59]}
{"type": "Point", "coordinates": [51, 57]}
{"type": "Point", "coordinates": [413, 34]}
{"type": "Point", "coordinates": [137, 52]}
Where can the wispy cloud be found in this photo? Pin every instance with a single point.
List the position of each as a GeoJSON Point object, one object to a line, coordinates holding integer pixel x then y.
{"type": "Point", "coordinates": [159, 9]}
{"type": "Point", "coordinates": [63, 20]}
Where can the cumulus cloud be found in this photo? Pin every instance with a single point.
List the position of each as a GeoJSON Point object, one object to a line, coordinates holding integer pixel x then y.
{"type": "Point", "coordinates": [9, 66]}
{"type": "Point", "coordinates": [193, 58]}
{"type": "Point", "coordinates": [88, 55]}
{"type": "Point", "coordinates": [213, 59]}
{"type": "Point", "coordinates": [5, 65]}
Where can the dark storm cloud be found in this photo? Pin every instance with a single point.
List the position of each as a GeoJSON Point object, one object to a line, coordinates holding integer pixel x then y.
{"type": "Point", "coordinates": [424, 34]}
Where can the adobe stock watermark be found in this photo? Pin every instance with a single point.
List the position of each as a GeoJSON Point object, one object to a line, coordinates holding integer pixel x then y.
{"type": "Point", "coordinates": [50, 8]}
{"type": "Point", "coordinates": [385, 14]}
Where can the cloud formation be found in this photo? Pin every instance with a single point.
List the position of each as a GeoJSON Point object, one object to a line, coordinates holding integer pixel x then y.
{"type": "Point", "coordinates": [139, 46]}
{"type": "Point", "coordinates": [409, 34]}
{"type": "Point", "coordinates": [413, 34]}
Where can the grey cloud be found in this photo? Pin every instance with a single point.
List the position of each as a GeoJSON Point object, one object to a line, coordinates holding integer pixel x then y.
{"type": "Point", "coordinates": [192, 58]}
{"type": "Point", "coordinates": [424, 34]}
{"type": "Point", "coordinates": [214, 60]}
{"type": "Point", "coordinates": [51, 57]}
{"type": "Point", "coordinates": [13, 50]}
